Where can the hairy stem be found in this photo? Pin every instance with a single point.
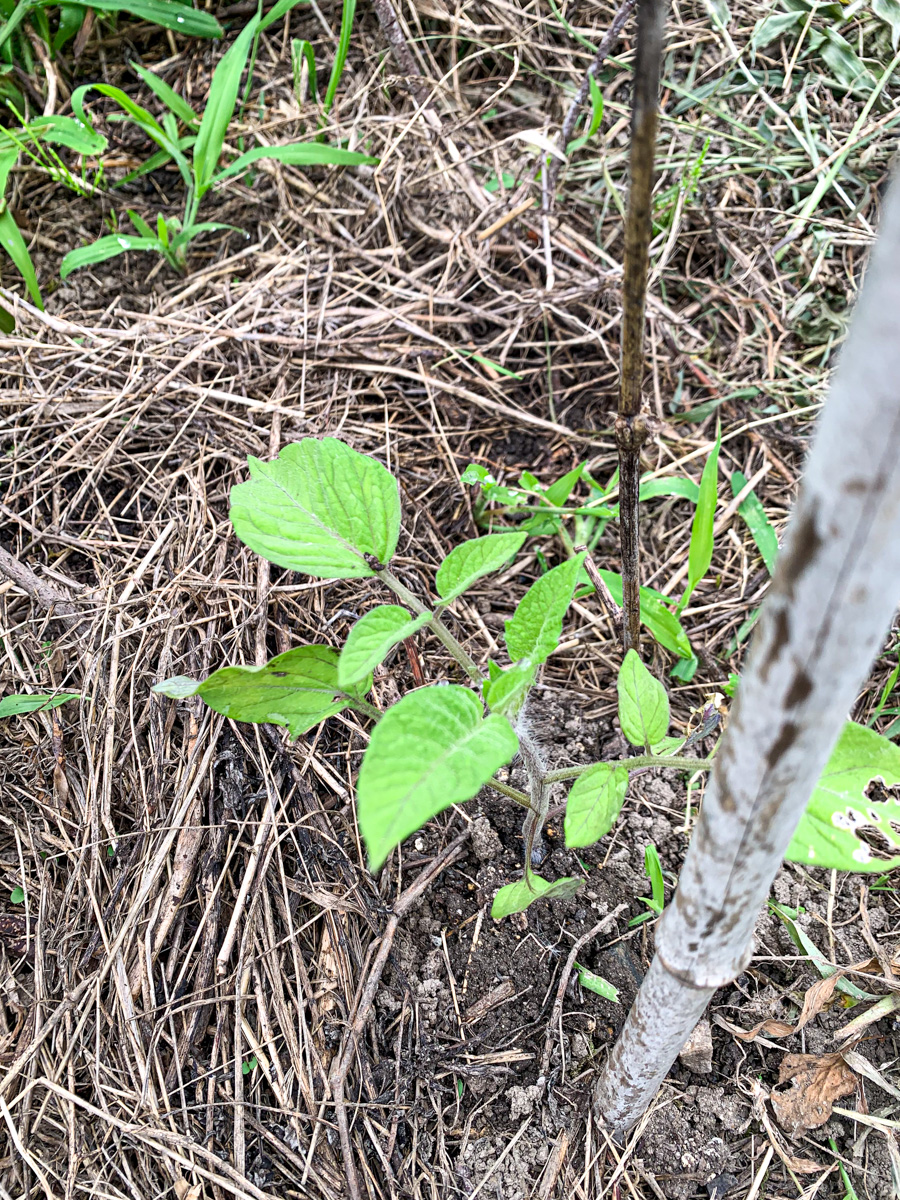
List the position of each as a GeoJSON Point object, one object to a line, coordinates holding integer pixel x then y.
{"type": "Point", "coordinates": [514, 794]}
{"type": "Point", "coordinates": [539, 789]}
{"type": "Point", "coordinates": [631, 426]}
{"type": "Point", "coordinates": [673, 761]}
{"type": "Point", "coordinates": [440, 631]}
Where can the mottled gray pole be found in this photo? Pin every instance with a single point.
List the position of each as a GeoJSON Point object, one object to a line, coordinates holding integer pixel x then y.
{"type": "Point", "coordinates": [832, 599]}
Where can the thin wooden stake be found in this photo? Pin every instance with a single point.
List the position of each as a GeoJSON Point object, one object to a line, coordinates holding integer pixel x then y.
{"type": "Point", "coordinates": [631, 426]}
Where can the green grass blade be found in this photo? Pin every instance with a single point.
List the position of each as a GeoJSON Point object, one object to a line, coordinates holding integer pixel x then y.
{"type": "Point", "coordinates": [347, 15]}
{"type": "Point", "coordinates": [701, 548]}
{"type": "Point", "coordinates": [15, 19]}
{"type": "Point", "coordinates": [301, 50]}
{"type": "Point", "coordinates": [168, 95]}
{"type": "Point", "coordinates": [104, 248]}
{"type": "Point", "coordinates": [757, 522]}
{"type": "Point", "coordinates": [298, 154]}
{"type": "Point", "coordinates": [220, 104]}
{"type": "Point", "coordinates": [14, 244]}
{"type": "Point", "coordinates": [191, 22]}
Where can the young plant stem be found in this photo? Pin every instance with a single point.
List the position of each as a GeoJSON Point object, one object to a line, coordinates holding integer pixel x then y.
{"type": "Point", "coordinates": [674, 762]}
{"type": "Point", "coordinates": [632, 429]}
{"type": "Point", "coordinates": [539, 791]}
{"type": "Point", "coordinates": [830, 603]}
{"type": "Point", "coordinates": [441, 632]}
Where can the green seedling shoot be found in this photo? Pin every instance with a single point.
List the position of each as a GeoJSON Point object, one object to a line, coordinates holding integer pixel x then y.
{"type": "Point", "coordinates": [656, 902]}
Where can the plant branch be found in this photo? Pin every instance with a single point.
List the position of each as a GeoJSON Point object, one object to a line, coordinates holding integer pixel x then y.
{"type": "Point", "coordinates": [440, 631]}
{"type": "Point", "coordinates": [571, 118]}
{"type": "Point", "coordinates": [632, 429]}
{"type": "Point", "coordinates": [513, 793]}
{"type": "Point", "coordinates": [674, 762]}
{"type": "Point", "coordinates": [605, 595]}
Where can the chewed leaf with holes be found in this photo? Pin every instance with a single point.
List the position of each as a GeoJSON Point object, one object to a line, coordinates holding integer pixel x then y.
{"type": "Point", "coordinates": [832, 831]}
{"type": "Point", "coordinates": [431, 749]}
{"type": "Point", "coordinates": [297, 689]}
{"type": "Point", "coordinates": [321, 508]}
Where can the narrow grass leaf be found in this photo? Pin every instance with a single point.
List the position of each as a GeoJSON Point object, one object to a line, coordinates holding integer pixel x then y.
{"type": "Point", "coordinates": [701, 548]}
{"type": "Point", "coordinates": [643, 703]}
{"type": "Point", "coordinates": [594, 803]}
{"type": "Point", "coordinates": [660, 623]}
{"type": "Point", "coordinates": [348, 14]}
{"type": "Point", "coordinates": [103, 249]}
{"type": "Point", "coordinates": [190, 22]}
{"type": "Point", "coordinates": [220, 104]}
{"type": "Point", "coordinates": [372, 637]}
{"type": "Point", "coordinates": [320, 508]}
{"type": "Point", "coordinates": [14, 244]}
{"type": "Point", "coordinates": [298, 154]}
{"type": "Point", "coordinates": [472, 560]}
{"type": "Point", "coordinates": [758, 523]}
{"type": "Point", "coordinates": [430, 750]}
{"type": "Point", "coordinates": [15, 706]}
{"type": "Point", "coordinates": [597, 984]}
{"type": "Point", "coordinates": [558, 493]}
{"type": "Point", "coordinates": [170, 98]}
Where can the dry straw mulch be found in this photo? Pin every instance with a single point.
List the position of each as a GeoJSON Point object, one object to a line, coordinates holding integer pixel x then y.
{"type": "Point", "coordinates": [185, 993]}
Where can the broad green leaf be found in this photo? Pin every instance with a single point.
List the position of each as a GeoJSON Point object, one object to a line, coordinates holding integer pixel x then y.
{"type": "Point", "coordinates": [320, 508]}
{"type": "Point", "coordinates": [170, 98]}
{"type": "Point", "coordinates": [297, 689]}
{"type": "Point", "coordinates": [15, 706]}
{"type": "Point", "coordinates": [534, 630]}
{"type": "Point", "coordinates": [430, 750]}
{"type": "Point", "coordinates": [104, 248]}
{"type": "Point", "coordinates": [757, 522]}
{"type": "Point", "coordinates": [370, 639]}
{"type": "Point", "coordinates": [596, 983]}
{"type": "Point", "coordinates": [889, 11]}
{"type": "Point", "coordinates": [685, 669]}
{"type": "Point", "coordinates": [594, 803]}
{"type": "Point", "coordinates": [506, 692]}
{"type": "Point", "coordinates": [471, 560]}
{"type": "Point", "coordinates": [846, 67]}
{"type": "Point", "coordinates": [558, 493]}
{"type": "Point", "coordinates": [668, 745]}
{"type": "Point", "coordinates": [14, 244]}
{"type": "Point", "coordinates": [220, 103]}
{"type": "Point", "coordinates": [298, 154]}
{"type": "Point", "coordinates": [828, 833]}
{"type": "Point", "coordinates": [516, 897]}
{"type": "Point", "coordinates": [701, 548]}
{"type": "Point", "coordinates": [643, 703]}
{"type": "Point", "coordinates": [770, 28]}
{"type": "Point", "coordinates": [191, 22]}
{"type": "Point", "coordinates": [71, 18]}
{"type": "Point", "coordinates": [178, 687]}
{"type": "Point", "coordinates": [17, 895]}
{"type": "Point", "coordinates": [660, 623]}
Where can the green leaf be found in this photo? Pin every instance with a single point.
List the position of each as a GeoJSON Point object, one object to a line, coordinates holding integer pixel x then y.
{"type": "Point", "coordinates": [685, 669]}
{"type": "Point", "coordinates": [828, 833]}
{"type": "Point", "coordinates": [300, 50]}
{"type": "Point", "coordinates": [701, 549]}
{"type": "Point", "coordinates": [889, 11]}
{"type": "Point", "coordinates": [660, 623]}
{"type": "Point", "coordinates": [178, 687]}
{"type": "Point", "coordinates": [348, 13]}
{"type": "Point", "coordinates": [220, 104]}
{"type": "Point", "coordinates": [430, 750]}
{"type": "Point", "coordinates": [534, 630]}
{"type": "Point", "coordinates": [846, 67]}
{"type": "Point", "coordinates": [758, 523]}
{"type": "Point", "coordinates": [558, 493]}
{"type": "Point", "coordinates": [14, 244]}
{"type": "Point", "coordinates": [17, 895]}
{"type": "Point", "coordinates": [668, 745]}
{"type": "Point", "coordinates": [319, 508]}
{"type": "Point", "coordinates": [770, 28]}
{"type": "Point", "coordinates": [643, 703]}
{"type": "Point", "coordinates": [516, 897]}
{"type": "Point", "coordinates": [370, 639]}
{"type": "Point", "coordinates": [191, 22]}
{"type": "Point", "coordinates": [298, 154]}
{"type": "Point", "coordinates": [15, 706]}
{"type": "Point", "coordinates": [505, 693]}
{"type": "Point", "coordinates": [471, 560]}
{"type": "Point", "coordinates": [596, 983]}
{"type": "Point", "coordinates": [71, 18]}
{"type": "Point", "coordinates": [684, 488]}
{"type": "Point", "coordinates": [297, 689]}
{"type": "Point", "coordinates": [804, 943]}
{"type": "Point", "coordinates": [168, 95]}
{"type": "Point", "coordinates": [7, 320]}
{"type": "Point", "coordinates": [66, 131]}
{"type": "Point", "coordinates": [101, 250]}
{"type": "Point", "coordinates": [596, 117]}
{"type": "Point", "coordinates": [594, 803]}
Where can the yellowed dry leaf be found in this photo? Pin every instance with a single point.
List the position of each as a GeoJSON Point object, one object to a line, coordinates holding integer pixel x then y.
{"type": "Point", "coordinates": [813, 1002]}
{"type": "Point", "coordinates": [816, 1082]}
{"type": "Point", "coordinates": [184, 1191]}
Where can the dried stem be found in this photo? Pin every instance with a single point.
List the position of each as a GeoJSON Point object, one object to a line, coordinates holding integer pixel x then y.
{"type": "Point", "coordinates": [831, 601]}
{"type": "Point", "coordinates": [631, 427]}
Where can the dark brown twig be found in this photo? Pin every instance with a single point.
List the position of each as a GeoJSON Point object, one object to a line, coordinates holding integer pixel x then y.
{"type": "Point", "coordinates": [631, 427]}
{"type": "Point", "coordinates": [571, 118]}
{"type": "Point", "coordinates": [43, 593]}
{"type": "Point", "coordinates": [603, 592]}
